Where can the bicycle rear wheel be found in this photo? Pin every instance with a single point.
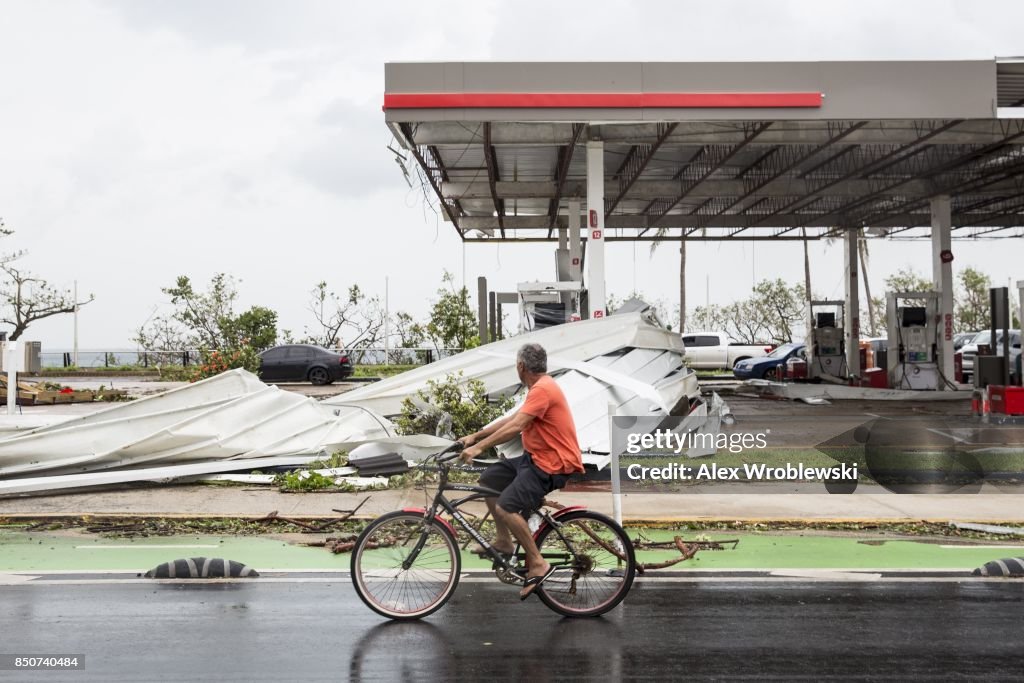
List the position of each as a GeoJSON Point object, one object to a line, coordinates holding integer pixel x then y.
{"type": "Point", "coordinates": [595, 564]}
{"type": "Point", "coordinates": [393, 590]}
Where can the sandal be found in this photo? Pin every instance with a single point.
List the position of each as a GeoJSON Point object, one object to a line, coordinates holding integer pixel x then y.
{"type": "Point", "coordinates": [533, 582]}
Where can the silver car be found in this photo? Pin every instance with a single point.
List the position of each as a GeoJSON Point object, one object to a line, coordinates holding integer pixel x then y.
{"type": "Point", "coordinates": [969, 351]}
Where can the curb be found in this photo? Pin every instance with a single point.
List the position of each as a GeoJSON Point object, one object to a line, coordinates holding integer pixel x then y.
{"type": "Point", "coordinates": [638, 521]}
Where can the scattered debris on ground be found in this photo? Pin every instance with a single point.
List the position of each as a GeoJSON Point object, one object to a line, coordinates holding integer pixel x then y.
{"type": "Point", "coordinates": [116, 525]}
{"type": "Point", "coordinates": [313, 527]}
{"type": "Point", "coordinates": [687, 550]}
{"type": "Point", "coordinates": [989, 528]}
{"type": "Point", "coordinates": [52, 393]}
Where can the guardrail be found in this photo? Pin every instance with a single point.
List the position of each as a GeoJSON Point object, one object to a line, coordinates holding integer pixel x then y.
{"type": "Point", "coordinates": [113, 359]}
{"type": "Point", "coordinates": [401, 356]}
{"type": "Point", "coordinates": [146, 359]}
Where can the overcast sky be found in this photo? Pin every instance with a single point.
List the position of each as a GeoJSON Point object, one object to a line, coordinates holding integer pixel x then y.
{"type": "Point", "coordinates": [144, 140]}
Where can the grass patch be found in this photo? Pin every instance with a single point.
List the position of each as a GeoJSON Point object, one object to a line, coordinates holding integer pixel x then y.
{"type": "Point", "coordinates": [364, 371]}
{"type": "Point", "coordinates": [100, 371]}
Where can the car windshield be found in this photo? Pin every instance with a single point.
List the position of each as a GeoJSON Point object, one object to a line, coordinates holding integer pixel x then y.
{"type": "Point", "coordinates": [781, 351]}
{"type": "Point", "coordinates": [982, 337]}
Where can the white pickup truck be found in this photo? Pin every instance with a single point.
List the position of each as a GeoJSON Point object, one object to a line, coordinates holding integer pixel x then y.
{"type": "Point", "coordinates": [705, 350]}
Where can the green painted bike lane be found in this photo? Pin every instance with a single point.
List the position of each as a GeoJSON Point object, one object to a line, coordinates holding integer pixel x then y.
{"type": "Point", "coordinates": [27, 552]}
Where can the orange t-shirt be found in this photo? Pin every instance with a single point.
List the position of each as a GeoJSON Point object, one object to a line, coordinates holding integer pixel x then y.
{"type": "Point", "coordinates": [551, 437]}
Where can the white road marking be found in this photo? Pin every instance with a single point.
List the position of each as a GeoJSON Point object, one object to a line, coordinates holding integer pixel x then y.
{"type": "Point", "coordinates": [8, 581]}
{"type": "Point", "coordinates": [984, 547]}
{"type": "Point", "coordinates": [827, 574]}
{"type": "Point", "coordinates": [139, 546]}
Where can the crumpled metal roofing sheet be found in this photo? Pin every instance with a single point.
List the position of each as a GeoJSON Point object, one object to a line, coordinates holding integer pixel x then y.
{"type": "Point", "coordinates": [578, 341]}
{"type": "Point", "coordinates": [233, 420]}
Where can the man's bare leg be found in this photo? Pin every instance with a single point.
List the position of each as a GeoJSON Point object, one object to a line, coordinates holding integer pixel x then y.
{"type": "Point", "coordinates": [535, 564]}
{"type": "Point", "coordinates": [502, 537]}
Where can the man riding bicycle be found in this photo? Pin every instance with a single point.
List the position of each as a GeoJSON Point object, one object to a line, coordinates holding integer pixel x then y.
{"type": "Point", "coordinates": [550, 454]}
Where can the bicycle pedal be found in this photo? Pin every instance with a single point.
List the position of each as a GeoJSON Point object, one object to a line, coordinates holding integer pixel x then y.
{"type": "Point", "coordinates": [513, 578]}
{"type": "Point", "coordinates": [497, 565]}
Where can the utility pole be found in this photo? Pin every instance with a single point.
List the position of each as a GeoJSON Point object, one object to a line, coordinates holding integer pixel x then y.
{"type": "Point", "coordinates": [12, 376]}
{"type": "Point", "coordinates": [75, 354]}
{"type": "Point", "coordinates": [387, 323]}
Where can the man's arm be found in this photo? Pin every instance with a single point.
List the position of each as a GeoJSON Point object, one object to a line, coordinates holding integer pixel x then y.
{"type": "Point", "coordinates": [486, 431]}
{"type": "Point", "coordinates": [506, 430]}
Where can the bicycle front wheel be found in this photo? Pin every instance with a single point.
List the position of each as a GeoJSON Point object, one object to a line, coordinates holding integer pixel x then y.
{"type": "Point", "coordinates": [392, 585]}
{"type": "Point", "coordinates": [595, 564]}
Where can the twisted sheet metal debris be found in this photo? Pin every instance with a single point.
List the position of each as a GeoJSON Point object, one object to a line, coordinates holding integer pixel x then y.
{"type": "Point", "coordinates": [494, 364]}
{"type": "Point", "coordinates": [234, 423]}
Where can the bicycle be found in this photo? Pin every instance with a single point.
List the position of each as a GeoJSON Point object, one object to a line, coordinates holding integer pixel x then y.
{"type": "Point", "coordinates": [406, 564]}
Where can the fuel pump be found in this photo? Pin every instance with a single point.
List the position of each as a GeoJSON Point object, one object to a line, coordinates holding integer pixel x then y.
{"type": "Point", "coordinates": [541, 304]}
{"type": "Point", "coordinates": [826, 355]}
{"type": "Point", "coordinates": [1020, 319]}
{"type": "Point", "coordinates": [912, 322]}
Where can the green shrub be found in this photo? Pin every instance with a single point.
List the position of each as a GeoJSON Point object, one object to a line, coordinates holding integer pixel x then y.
{"type": "Point", "coordinates": [216, 362]}
{"type": "Point", "coordinates": [303, 480]}
{"type": "Point", "coordinates": [465, 400]}
{"type": "Point", "coordinates": [175, 373]}
{"type": "Point", "coordinates": [336, 459]}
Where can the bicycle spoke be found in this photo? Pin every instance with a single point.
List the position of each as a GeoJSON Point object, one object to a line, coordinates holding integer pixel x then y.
{"type": "Point", "coordinates": [383, 581]}
{"type": "Point", "coordinates": [599, 572]}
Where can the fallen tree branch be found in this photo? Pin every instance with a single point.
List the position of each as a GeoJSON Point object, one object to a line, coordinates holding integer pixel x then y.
{"type": "Point", "coordinates": [274, 517]}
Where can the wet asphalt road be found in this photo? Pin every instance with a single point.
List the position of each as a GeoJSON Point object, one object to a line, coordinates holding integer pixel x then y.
{"type": "Point", "coordinates": [731, 630]}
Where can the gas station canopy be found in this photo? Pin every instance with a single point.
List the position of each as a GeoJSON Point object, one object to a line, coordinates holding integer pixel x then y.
{"type": "Point", "coordinates": [710, 151]}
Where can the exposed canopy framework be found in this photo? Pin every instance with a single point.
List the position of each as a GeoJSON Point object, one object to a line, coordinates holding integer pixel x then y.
{"type": "Point", "coordinates": [718, 150]}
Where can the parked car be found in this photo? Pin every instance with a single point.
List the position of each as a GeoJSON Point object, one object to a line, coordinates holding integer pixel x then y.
{"type": "Point", "coordinates": [770, 366]}
{"type": "Point", "coordinates": [969, 351]}
{"type": "Point", "coordinates": [961, 338]}
{"type": "Point", "coordinates": [705, 350]}
{"type": "Point", "coordinates": [303, 363]}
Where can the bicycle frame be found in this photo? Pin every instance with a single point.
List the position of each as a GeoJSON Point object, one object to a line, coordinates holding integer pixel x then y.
{"type": "Point", "coordinates": [440, 502]}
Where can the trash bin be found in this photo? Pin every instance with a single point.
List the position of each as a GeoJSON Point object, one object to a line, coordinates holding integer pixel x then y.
{"type": "Point", "coordinates": [875, 378]}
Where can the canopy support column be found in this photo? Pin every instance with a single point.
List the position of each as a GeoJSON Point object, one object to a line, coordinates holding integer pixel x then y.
{"type": "Point", "coordinates": [942, 282]}
{"type": "Point", "coordinates": [595, 229]}
{"type": "Point", "coordinates": [852, 322]}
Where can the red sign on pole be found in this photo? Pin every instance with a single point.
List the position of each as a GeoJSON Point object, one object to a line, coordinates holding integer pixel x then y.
{"type": "Point", "coordinates": [598, 314]}
{"type": "Point", "coordinates": [949, 327]}
{"type": "Point", "coordinates": [596, 235]}
{"type": "Point", "coordinates": [576, 261]}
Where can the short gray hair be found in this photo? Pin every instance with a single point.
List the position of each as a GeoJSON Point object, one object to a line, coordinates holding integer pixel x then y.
{"type": "Point", "coordinates": [533, 357]}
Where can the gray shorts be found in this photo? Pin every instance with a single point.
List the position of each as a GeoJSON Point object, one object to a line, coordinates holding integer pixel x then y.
{"type": "Point", "coordinates": [523, 485]}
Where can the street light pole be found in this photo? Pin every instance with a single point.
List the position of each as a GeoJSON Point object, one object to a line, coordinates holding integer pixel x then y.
{"type": "Point", "coordinates": [75, 355]}
{"type": "Point", "coordinates": [12, 376]}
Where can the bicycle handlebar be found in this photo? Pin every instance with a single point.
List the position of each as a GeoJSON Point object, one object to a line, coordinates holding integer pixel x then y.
{"type": "Point", "coordinates": [455, 449]}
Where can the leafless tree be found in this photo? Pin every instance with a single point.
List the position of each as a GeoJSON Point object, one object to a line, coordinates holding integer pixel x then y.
{"type": "Point", "coordinates": [27, 298]}
{"type": "Point", "coordinates": [354, 321]}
